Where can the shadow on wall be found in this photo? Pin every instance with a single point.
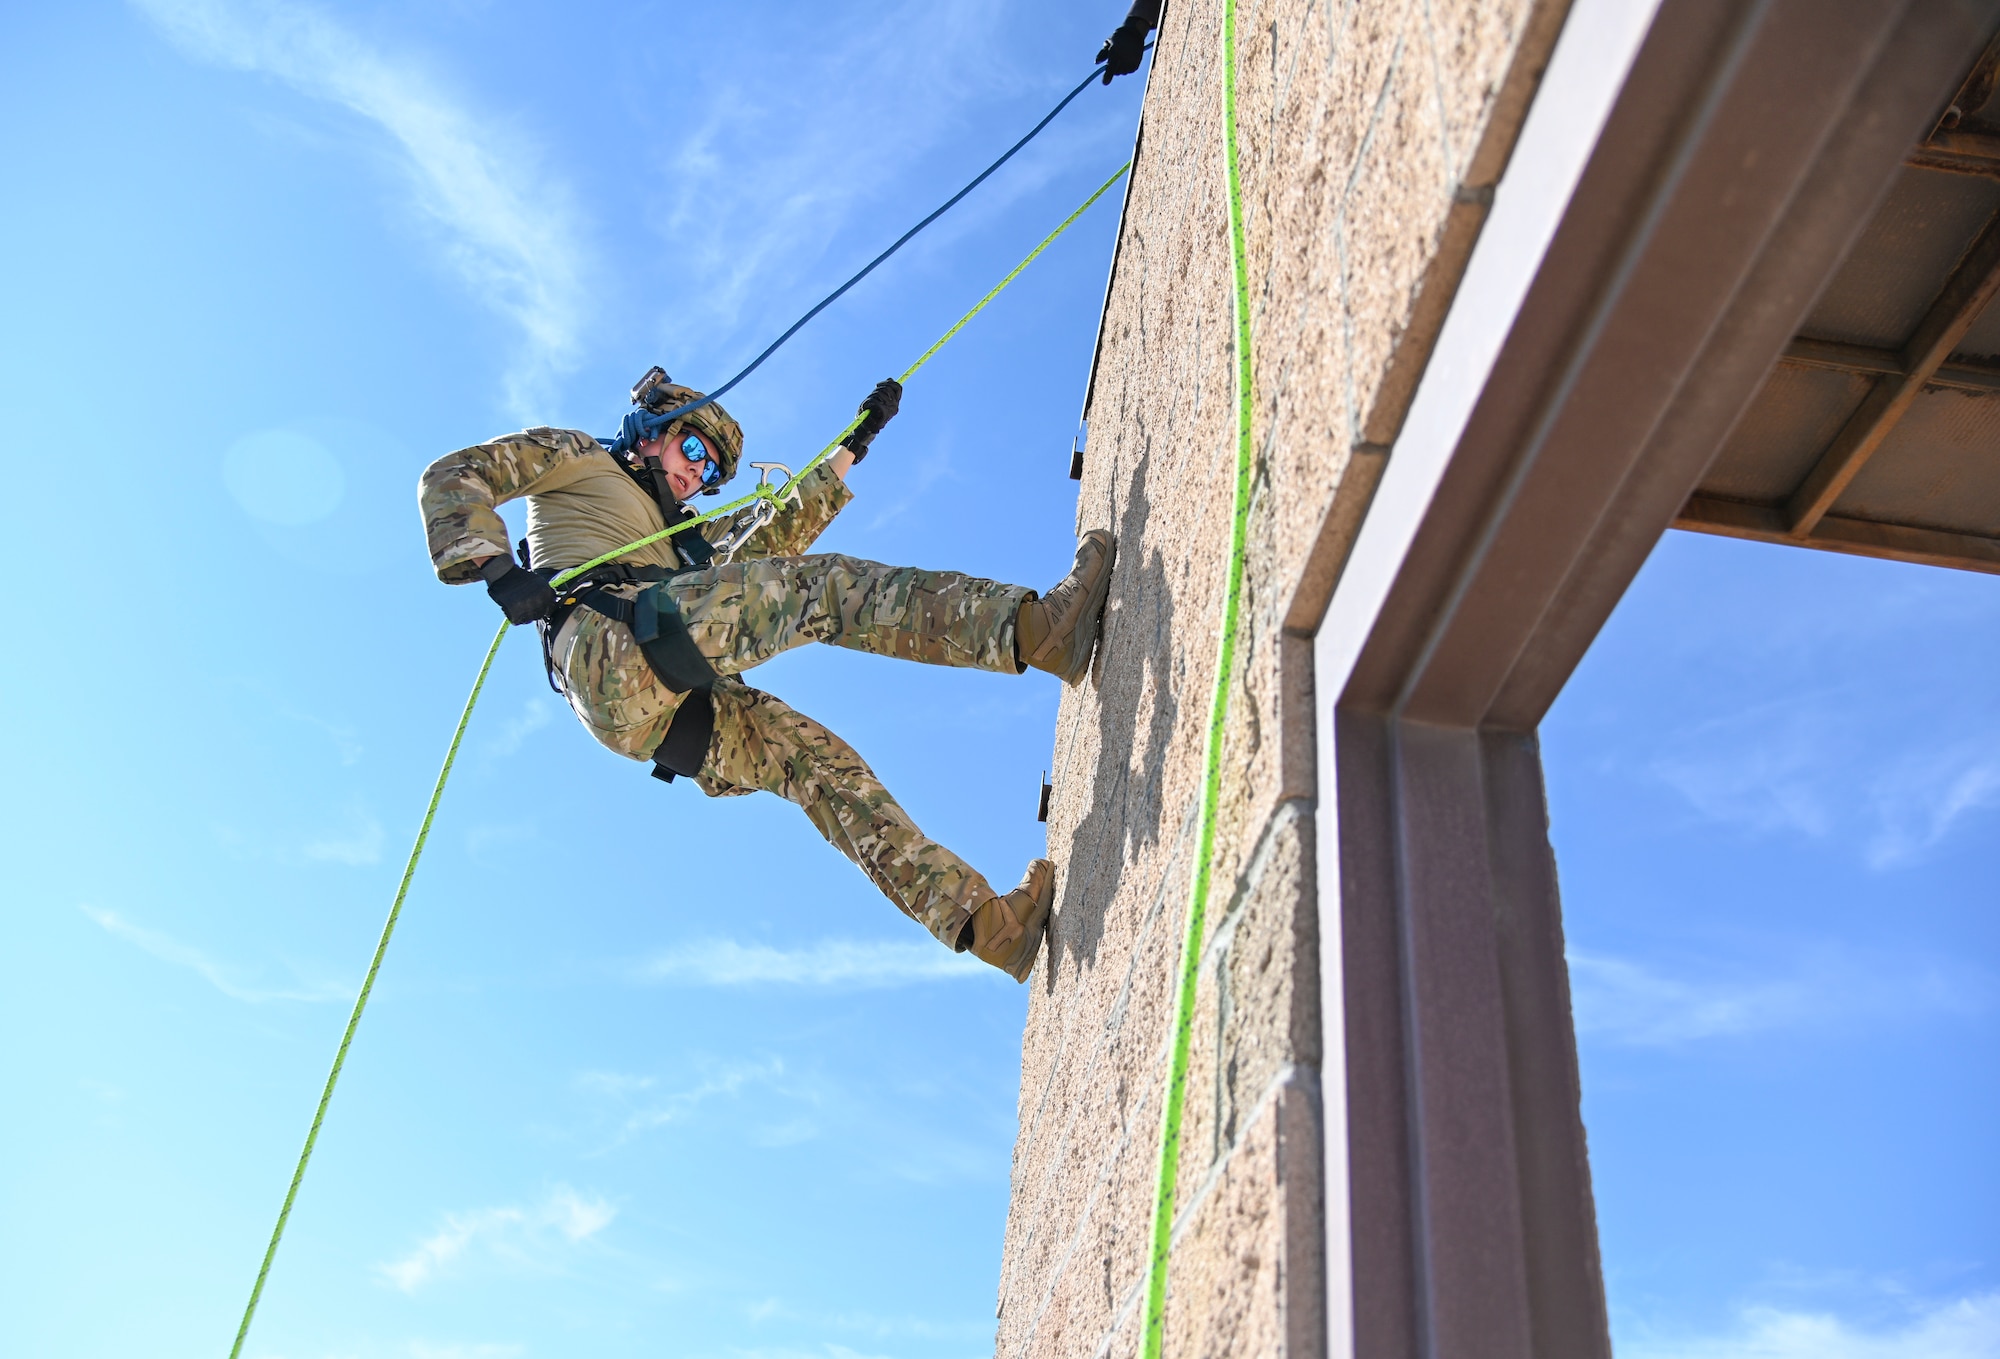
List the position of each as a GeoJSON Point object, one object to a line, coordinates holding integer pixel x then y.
{"type": "Point", "coordinates": [1133, 669]}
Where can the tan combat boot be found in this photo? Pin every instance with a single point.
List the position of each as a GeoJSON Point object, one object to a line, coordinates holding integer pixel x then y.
{"type": "Point", "coordinates": [1056, 632]}
{"type": "Point", "coordinates": [1007, 931]}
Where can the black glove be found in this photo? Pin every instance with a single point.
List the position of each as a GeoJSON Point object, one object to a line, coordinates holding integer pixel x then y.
{"type": "Point", "coordinates": [1127, 44]}
{"type": "Point", "coordinates": [878, 408]}
{"type": "Point", "coordinates": [522, 595]}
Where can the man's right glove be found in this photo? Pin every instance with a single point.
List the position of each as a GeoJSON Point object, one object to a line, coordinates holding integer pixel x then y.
{"type": "Point", "coordinates": [1127, 44]}
{"type": "Point", "coordinates": [878, 408]}
{"type": "Point", "coordinates": [522, 595]}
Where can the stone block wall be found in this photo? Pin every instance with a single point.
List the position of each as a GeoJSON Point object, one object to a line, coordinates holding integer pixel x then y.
{"type": "Point", "coordinates": [1372, 133]}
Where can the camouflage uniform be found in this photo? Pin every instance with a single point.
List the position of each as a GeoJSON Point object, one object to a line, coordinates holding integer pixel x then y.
{"type": "Point", "coordinates": [740, 613]}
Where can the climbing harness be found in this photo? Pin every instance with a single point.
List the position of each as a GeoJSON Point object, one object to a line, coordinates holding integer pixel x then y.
{"type": "Point", "coordinates": [662, 635]}
{"type": "Point", "coordinates": [657, 626]}
{"type": "Point", "coordinates": [763, 494]}
{"type": "Point", "coordinates": [1218, 710]}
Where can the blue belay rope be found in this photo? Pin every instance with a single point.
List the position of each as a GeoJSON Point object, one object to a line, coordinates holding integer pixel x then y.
{"type": "Point", "coordinates": [647, 425]}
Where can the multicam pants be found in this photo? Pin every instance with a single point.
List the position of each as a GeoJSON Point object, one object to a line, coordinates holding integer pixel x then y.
{"type": "Point", "coordinates": [744, 613]}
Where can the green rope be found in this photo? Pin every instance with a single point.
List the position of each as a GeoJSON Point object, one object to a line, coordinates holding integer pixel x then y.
{"type": "Point", "coordinates": [1218, 710]}
{"type": "Point", "coordinates": [763, 492]}
{"type": "Point", "coordinates": [768, 492]}
{"type": "Point", "coordinates": [367, 989]}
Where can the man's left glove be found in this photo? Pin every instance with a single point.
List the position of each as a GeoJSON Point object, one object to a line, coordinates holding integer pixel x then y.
{"type": "Point", "coordinates": [522, 595]}
{"type": "Point", "coordinates": [878, 408]}
{"type": "Point", "coordinates": [1123, 50]}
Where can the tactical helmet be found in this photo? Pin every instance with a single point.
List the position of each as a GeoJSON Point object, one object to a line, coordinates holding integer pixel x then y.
{"type": "Point", "coordinates": [658, 393]}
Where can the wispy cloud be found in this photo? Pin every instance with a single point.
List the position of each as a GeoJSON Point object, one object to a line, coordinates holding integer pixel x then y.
{"type": "Point", "coordinates": [521, 1236]}
{"type": "Point", "coordinates": [1633, 1004]}
{"type": "Point", "coordinates": [345, 739]}
{"type": "Point", "coordinates": [649, 1104]}
{"type": "Point", "coordinates": [873, 1325]}
{"type": "Point", "coordinates": [352, 838]}
{"type": "Point", "coordinates": [1919, 802]}
{"type": "Point", "coordinates": [508, 230]}
{"type": "Point", "coordinates": [615, 1083]}
{"type": "Point", "coordinates": [421, 1350]}
{"type": "Point", "coordinates": [910, 490]}
{"type": "Point", "coordinates": [1968, 1328]}
{"type": "Point", "coordinates": [170, 950]}
{"type": "Point", "coordinates": [1762, 769]}
{"type": "Point", "coordinates": [848, 963]}
{"type": "Point", "coordinates": [356, 841]}
{"type": "Point", "coordinates": [535, 714]}
{"type": "Point", "coordinates": [826, 1351]}
{"type": "Point", "coordinates": [737, 230]}
{"type": "Point", "coordinates": [1800, 766]}
{"type": "Point", "coordinates": [756, 194]}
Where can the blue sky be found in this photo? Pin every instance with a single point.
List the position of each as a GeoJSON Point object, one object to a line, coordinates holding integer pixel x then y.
{"type": "Point", "coordinates": [1774, 790]}
{"type": "Point", "coordinates": [709, 1094]}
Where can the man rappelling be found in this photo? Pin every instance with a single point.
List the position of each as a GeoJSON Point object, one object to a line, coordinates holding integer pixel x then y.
{"type": "Point", "coordinates": [649, 649]}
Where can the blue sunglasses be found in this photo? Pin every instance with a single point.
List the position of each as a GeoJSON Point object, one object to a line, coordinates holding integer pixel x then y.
{"type": "Point", "coordinates": [694, 450]}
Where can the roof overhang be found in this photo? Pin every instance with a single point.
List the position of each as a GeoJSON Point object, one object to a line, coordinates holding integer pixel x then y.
{"type": "Point", "coordinates": [1878, 432]}
{"type": "Point", "coordinates": [1608, 341]}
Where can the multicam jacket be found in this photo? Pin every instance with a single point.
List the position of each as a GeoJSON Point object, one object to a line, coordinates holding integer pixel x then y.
{"type": "Point", "coordinates": [581, 505]}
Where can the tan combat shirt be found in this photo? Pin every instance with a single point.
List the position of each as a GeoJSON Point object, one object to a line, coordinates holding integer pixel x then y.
{"type": "Point", "coordinates": [581, 505]}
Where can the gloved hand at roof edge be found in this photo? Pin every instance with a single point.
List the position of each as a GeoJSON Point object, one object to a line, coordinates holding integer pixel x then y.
{"type": "Point", "coordinates": [522, 595]}
{"type": "Point", "coordinates": [1127, 44]}
{"type": "Point", "coordinates": [878, 408]}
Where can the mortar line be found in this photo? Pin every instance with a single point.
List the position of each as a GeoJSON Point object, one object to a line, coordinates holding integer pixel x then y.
{"type": "Point", "coordinates": [1114, 1020]}
{"type": "Point", "coordinates": [1266, 1098]}
{"type": "Point", "coordinates": [1104, 1174]}
{"type": "Point", "coordinates": [1120, 1008]}
{"type": "Point", "coordinates": [1337, 27]}
{"type": "Point", "coordinates": [1374, 121]}
{"type": "Point", "coordinates": [1183, 1219]}
{"type": "Point", "coordinates": [1283, 92]}
{"type": "Point", "coordinates": [1352, 412]}
{"type": "Point", "coordinates": [1217, 949]}
{"type": "Point", "coordinates": [1288, 809]}
{"type": "Point", "coordinates": [1437, 94]}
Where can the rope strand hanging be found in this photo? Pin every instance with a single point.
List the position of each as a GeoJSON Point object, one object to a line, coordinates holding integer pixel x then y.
{"type": "Point", "coordinates": [1168, 1174]}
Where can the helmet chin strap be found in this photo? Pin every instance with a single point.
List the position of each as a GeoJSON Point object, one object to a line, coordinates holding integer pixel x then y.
{"type": "Point", "coordinates": [652, 472]}
{"type": "Point", "coordinates": [659, 442]}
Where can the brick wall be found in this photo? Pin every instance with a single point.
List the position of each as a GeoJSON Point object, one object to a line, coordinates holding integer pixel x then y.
{"type": "Point", "coordinates": [1372, 134]}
